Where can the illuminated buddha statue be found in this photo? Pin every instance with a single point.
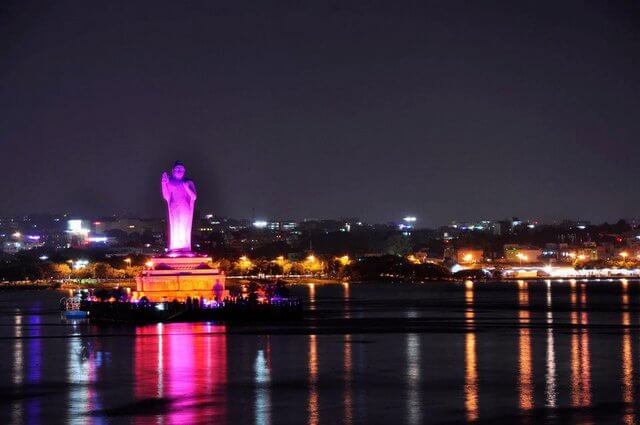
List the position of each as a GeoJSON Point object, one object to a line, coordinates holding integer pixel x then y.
{"type": "Point", "coordinates": [180, 194]}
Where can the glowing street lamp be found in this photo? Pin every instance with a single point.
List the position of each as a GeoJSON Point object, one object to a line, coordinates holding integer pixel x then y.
{"type": "Point", "coordinates": [344, 260]}
{"type": "Point", "coordinates": [244, 263]}
{"type": "Point", "coordinates": [624, 255]}
{"type": "Point", "coordinates": [412, 258]}
{"type": "Point", "coordinates": [311, 258]}
{"type": "Point", "coordinates": [128, 261]}
{"type": "Point", "coordinates": [522, 257]}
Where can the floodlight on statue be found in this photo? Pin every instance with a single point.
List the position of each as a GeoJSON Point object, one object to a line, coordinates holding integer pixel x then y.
{"type": "Point", "coordinates": [180, 195]}
{"type": "Point", "coordinates": [180, 273]}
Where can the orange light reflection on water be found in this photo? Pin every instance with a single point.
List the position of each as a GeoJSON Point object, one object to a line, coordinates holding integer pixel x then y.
{"type": "Point", "coordinates": [627, 358]}
{"type": "Point", "coordinates": [525, 383]}
{"type": "Point", "coordinates": [313, 406]}
{"type": "Point", "coordinates": [470, 355]}
{"type": "Point", "coordinates": [580, 357]}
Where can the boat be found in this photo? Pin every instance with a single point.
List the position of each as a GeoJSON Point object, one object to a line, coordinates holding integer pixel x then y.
{"type": "Point", "coordinates": [72, 307]}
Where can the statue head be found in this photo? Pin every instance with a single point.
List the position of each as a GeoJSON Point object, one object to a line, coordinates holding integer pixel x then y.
{"type": "Point", "coordinates": [178, 171]}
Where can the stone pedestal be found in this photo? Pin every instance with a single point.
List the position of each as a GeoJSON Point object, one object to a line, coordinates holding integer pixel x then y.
{"type": "Point", "coordinates": [180, 277]}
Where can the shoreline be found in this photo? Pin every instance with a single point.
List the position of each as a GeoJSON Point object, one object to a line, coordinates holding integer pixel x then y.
{"type": "Point", "coordinates": [72, 285]}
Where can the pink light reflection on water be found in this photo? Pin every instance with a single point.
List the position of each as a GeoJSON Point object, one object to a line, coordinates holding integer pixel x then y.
{"type": "Point", "coordinates": [183, 366]}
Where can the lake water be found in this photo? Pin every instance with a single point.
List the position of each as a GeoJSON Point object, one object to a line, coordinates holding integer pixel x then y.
{"type": "Point", "coordinates": [508, 352]}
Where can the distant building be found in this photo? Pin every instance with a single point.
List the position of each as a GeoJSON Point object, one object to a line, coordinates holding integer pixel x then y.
{"type": "Point", "coordinates": [17, 241]}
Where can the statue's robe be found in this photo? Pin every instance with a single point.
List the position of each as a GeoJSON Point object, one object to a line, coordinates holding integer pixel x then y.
{"type": "Point", "coordinates": [180, 205]}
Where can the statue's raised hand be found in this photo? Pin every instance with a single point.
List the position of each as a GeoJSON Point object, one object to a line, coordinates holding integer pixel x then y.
{"type": "Point", "coordinates": [165, 178]}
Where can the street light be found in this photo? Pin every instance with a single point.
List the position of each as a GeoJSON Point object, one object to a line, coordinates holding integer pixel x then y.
{"type": "Point", "coordinates": [522, 257]}
{"type": "Point", "coordinates": [128, 261]}
{"type": "Point", "coordinates": [624, 255]}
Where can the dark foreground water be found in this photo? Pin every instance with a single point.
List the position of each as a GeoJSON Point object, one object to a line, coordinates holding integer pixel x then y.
{"type": "Point", "coordinates": [537, 352]}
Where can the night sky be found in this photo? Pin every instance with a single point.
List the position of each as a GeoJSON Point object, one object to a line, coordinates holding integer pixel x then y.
{"type": "Point", "coordinates": [446, 110]}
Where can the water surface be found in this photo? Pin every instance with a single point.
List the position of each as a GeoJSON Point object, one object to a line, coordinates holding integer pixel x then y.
{"type": "Point", "coordinates": [512, 352]}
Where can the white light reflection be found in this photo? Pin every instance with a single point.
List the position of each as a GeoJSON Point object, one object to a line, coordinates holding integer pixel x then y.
{"type": "Point", "coordinates": [78, 377]}
{"type": "Point", "coordinates": [18, 368]}
{"type": "Point", "coordinates": [348, 377]}
{"type": "Point", "coordinates": [551, 395]}
{"type": "Point", "coordinates": [262, 378]}
{"type": "Point", "coordinates": [414, 407]}
{"type": "Point", "coordinates": [160, 364]}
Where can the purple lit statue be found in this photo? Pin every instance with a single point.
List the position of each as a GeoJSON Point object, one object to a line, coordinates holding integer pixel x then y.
{"type": "Point", "coordinates": [180, 194]}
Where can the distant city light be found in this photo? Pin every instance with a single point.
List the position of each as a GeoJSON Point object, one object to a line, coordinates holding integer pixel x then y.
{"type": "Point", "coordinates": [80, 264]}
{"type": "Point", "coordinates": [410, 219]}
{"type": "Point", "coordinates": [101, 239]}
{"type": "Point", "coordinates": [75, 227]}
{"type": "Point", "coordinates": [43, 257]}
{"type": "Point", "coordinates": [16, 235]}
{"type": "Point", "coordinates": [260, 224]}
